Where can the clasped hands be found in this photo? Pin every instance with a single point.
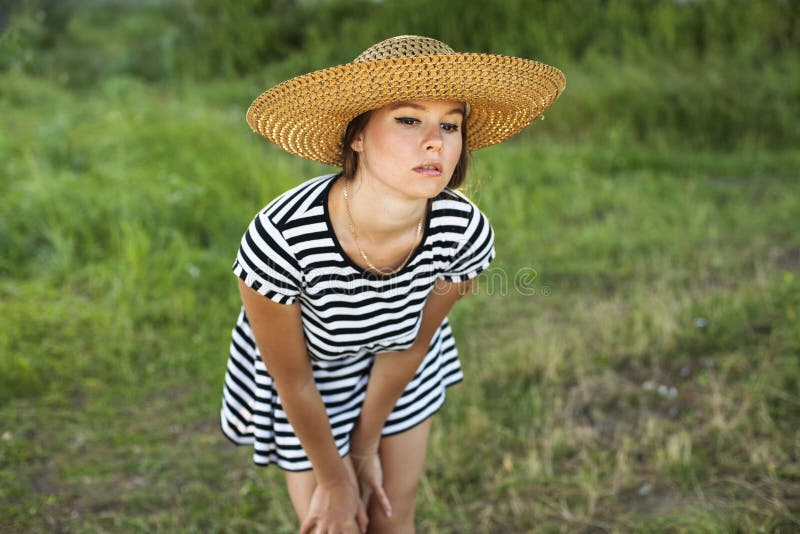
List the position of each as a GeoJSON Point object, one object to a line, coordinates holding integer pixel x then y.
{"type": "Point", "coordinates": [340, 507]}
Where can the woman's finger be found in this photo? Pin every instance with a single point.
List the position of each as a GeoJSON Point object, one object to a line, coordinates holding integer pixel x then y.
{"type": "Point", "coordinates": [383, 499]}
{"type": "Point", "coordinates": [308, 524]}
{"type": "Point", "coordinates": [366, 493]}
{"type": "Point", "coordinates": [361, 518]}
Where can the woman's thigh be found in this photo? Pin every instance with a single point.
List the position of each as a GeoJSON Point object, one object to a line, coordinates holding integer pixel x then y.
{"type": "Point", "coordinates": [403, 462]}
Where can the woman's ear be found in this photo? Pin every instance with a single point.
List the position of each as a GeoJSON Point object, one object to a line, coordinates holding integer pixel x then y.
{"type": "Point", "coordinates": [358, 143]}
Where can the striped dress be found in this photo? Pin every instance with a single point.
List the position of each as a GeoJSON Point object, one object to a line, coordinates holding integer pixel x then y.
{"type": "Point", "coordinates": [290, 252]}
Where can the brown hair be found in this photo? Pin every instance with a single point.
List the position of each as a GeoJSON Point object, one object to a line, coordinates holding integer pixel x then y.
{"type": "Point", "coordinates": [350, 156]}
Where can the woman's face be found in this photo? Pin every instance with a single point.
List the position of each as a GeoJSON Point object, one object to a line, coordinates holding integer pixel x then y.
{"type": "Point", "coordinates": [411, 147]}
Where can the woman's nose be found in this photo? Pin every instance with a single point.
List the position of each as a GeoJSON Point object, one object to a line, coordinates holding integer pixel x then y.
{"type": "Point", "coordinates": [433, 138]}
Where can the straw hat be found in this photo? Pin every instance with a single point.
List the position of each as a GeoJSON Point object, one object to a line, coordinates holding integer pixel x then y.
{"type": "Point", "coordinates": [307, 115]}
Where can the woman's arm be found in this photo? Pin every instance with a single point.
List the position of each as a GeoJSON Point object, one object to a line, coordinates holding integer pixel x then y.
{"type": "Point", "coordinates": [279, 334]}
{"type": "Point", "coordinates": [392, 371]}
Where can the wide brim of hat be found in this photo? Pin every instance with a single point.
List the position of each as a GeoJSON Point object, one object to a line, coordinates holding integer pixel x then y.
{"type": "Point", "coordinates": [307, 115]}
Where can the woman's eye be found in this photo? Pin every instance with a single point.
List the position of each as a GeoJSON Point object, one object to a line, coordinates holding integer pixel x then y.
{"type": "Point", "coordinates": [409, 121]}
{"type": "Point", "coordinates": [449, 127]}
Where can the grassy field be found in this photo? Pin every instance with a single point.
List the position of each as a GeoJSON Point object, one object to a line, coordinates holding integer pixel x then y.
{"type": "Point", "coordinates": [632, 357]}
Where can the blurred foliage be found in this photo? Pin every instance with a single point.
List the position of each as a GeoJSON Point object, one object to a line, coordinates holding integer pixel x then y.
{"type": "Point", "coordinates": [174, 38]}
{"type": "Point", "coordinates": [707, 74]}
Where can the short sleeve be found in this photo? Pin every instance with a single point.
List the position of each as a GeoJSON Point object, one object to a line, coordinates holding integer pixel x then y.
{"type": "Point", "coordinates": [475, 249]}
{"type": "Point", "coordinates": [266, 264]}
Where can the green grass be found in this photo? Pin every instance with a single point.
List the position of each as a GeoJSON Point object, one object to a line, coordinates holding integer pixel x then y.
{"type": "Point", "coordinates": [638, 269]}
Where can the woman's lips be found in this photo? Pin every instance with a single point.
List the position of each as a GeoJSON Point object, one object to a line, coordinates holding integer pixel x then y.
{"type": "Point", "coordinates": [429, 169]}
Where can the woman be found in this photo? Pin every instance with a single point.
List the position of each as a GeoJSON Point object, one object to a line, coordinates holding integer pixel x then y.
{"type": "Point", "coordinates": [342, 351]}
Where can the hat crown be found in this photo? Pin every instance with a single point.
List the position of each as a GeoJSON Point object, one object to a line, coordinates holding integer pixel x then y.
{"type": "Point", "coordinates": [404, 46]}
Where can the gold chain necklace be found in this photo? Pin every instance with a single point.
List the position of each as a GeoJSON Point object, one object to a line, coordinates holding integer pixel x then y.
{"type": "Point", "coordinates": [361, 250]}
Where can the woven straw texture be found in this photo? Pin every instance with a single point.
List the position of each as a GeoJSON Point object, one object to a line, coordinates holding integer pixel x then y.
{"type": "Point", "coordinates": [307, 115]}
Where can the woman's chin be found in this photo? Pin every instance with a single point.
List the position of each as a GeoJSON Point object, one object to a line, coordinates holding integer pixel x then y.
{"type": "Point", "coordinates": [429, 187]}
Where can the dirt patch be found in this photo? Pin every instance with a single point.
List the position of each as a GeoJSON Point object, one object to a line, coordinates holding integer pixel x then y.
{"type": "Point", "coordinates": [42, 482]}
{"type": "Point", "coordinates": [789, 259]}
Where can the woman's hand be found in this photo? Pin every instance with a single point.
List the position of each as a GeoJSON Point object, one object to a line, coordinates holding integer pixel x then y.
{"type": "Point", "coordinates": [335, 509]}
{"type": "Point", "coordinates": [370, 480]}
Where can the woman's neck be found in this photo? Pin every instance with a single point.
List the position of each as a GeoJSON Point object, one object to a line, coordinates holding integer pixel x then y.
{"type": "Point", "coordinates": [380, 212]}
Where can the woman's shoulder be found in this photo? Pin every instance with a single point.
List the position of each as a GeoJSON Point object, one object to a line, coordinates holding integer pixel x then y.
{"type": "Point", "coordinates": [451, 202]}
{"type": "Point", "coordinates": [267, 256]}
{"type": "Point", "coordinates": [455, 197]}
{"type": "Point", "coordinates": [297, 202]}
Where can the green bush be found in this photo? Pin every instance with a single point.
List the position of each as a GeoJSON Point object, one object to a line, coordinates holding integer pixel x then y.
{"type": "Point", "coordinates": [713, 74]}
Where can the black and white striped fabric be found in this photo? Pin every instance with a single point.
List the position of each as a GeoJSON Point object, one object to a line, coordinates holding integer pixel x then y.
{"type": "Point", "coordinates": [290, 252]}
